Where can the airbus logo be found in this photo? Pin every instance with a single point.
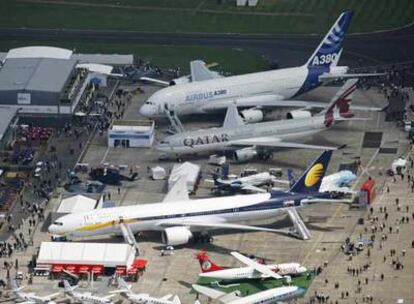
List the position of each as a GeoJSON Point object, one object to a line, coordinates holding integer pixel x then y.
{"type": "Point", "coordinates": [204, 95]}
{"type": "Point", "coordinates": [207, 139]}
{"type": "Point", "coordinates": [314, 175]}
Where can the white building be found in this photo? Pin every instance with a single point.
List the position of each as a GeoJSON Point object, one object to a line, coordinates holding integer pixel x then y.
{"type": "Point", "coordinates": [131, 134]}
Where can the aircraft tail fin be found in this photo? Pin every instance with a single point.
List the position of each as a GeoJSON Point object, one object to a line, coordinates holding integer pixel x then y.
{"type": "Point", "coordinates": [339, 107]}
{"type": "Point", "coordinates": [311, 179]}
{"type": "Point", "coordinates": [68, 288]}
{"type": "Point", "coordinates": [232, 119]}
{"type": "Point", "coordinates": [123, 285]}
{"type": "Point", "coordinates": [205, 262]}
{"type": "Point", "coordinates": [201, 72]}
{"type": "Point", "coordinates": [330, 47]}
{"type": "Point", "coordinates": [176, 300]}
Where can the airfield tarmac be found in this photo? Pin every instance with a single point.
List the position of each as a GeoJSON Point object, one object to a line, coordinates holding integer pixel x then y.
{"type": "Point", "coordinates": [330, 224]}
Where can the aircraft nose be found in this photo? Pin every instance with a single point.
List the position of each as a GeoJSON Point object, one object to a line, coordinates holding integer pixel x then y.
{"type": "Point", "coordinates": [147, 110]}
{"type": "Point", "coordinates": [54, 229]}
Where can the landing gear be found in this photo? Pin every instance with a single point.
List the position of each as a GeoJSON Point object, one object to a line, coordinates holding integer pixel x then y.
{"type": "Point", "coordinates": [202, 237]}
{"type": "Point", "coordinates": [266, 155]}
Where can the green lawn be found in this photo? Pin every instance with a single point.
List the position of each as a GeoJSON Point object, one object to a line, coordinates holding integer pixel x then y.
{"type": "Point", "coordinates": [248, 287]}
{"type": "Point", "coordinates": [303, 16]}
{"type": "Point", "coordinates": [235, 61]}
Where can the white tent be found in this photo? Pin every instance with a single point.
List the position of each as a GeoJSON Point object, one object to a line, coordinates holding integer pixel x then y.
{"type": "Point", "coordinates": [158, 173]}
{"type": "Point", "coordinates": [190, 171]}
{"type": "Point", "coordinates": [77, 203]}
{"type": "Point", "coordinates": [106, 254]}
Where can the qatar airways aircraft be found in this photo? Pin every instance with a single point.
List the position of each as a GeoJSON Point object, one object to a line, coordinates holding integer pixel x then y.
{"type": "Point", "coordinates": [257, 92]}
{"type": "Point", "coordinates": [177, 218]}
{"type": "Point", "coordinates": [259, 139]}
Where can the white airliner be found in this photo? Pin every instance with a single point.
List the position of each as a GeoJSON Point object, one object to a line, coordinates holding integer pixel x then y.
{"type": "Point", "coordinates": [86, 297]}
{"type": "Point", "coordinates": [142, 298]}
{"type": "Point", "coordinates": [178, 218]}
{"type": "Point", "coordinates": [259, 139]}
{"type": "Point", "coordinates": [31, 297]}
{"type": "Point", "coordinates": [254, 270]}
{"type": "Point", "coordinates": [258, 91]}
{"type": "Point", "coordinates": [273, 295]}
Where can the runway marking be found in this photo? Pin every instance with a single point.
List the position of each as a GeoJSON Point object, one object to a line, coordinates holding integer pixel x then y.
{"type": "Point", "coordinates": [105, 155]}
{"type": "Point", "coordinates": [167, 9]}
{"type": "Point", "coordinates": [312, 249]}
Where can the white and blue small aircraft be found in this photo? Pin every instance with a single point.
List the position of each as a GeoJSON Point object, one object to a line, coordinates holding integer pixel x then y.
{"type": "Point", "coordinates": [143, 298]}
{"type": "Point", "coordinates": [257, 92]}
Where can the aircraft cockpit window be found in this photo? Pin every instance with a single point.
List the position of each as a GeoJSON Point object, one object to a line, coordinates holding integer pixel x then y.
{"type": "Point", "coordinates": [58, 223]}
{"type": "Point", "coordinates": [164, 142]}
{"type": "Point", "coordinates": [149, 102]}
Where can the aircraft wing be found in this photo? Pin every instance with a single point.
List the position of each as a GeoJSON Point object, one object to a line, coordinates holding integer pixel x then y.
{"type": "Point", "coordinates": [329, 76]}
{"type": "Point", "coordinates": [252, 189]}
{"type": "Point", "coordinates": [308, 105]}
{"type": "Point", "coordinates": [166, 297]}
{"type": "Point", "coordinates": [276, 143]}
{"type": "Point", "coordinates": [216, 225]}
{"type": "Point", "coordinates": [271, 100]}
{"type": "Point", "coordinates": [108, 297]}
{"type": "Point", "coordinates": [178, 192]}
{"type": "Point", "coordinates": [256, 266]}
{"type": "Point", "coordinates": [50, 297]}
{"type": "Point", "coordinates": [156, 81]}
{"type": "Point", "coordinates": [216, 294]}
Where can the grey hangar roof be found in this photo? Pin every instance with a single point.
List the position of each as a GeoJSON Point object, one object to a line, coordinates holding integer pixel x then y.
{"type": "Point", "coordinates": [35, 74]}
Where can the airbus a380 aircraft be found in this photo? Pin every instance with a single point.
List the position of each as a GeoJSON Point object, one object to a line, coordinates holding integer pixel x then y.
{"type": "Point", "coordinates": [178, 219]}
{"type": "Point", "coordinates": [257, 91]}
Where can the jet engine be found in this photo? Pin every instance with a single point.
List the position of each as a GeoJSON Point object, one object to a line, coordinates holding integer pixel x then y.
{"type": "Point", "coordinates": [252, 115]}
{"type": "Point", "coordinates": [243, 155]}
{"type": "Point", "coordinates": [298, 114]}
{"type": "Point", "coordinates": [176, 236]}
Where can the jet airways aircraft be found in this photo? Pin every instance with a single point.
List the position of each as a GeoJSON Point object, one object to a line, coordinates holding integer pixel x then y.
{"type": "Point", "coordinates": [259, 139]}
{"type": "Point", "coordinates": [254, 270]}
{"type": "Point", "coordinates": [31, 297]}
{"type": "Point", "coordinates": [268, 296]}
{"type": "Point", "coordinates": [258, 91]}
{"type": "Point", "coordinates": [143, 298]}
{"type": "Point", "coordinates": [177, 219]}
{"type": "Point", "coordinates": [86, 297]}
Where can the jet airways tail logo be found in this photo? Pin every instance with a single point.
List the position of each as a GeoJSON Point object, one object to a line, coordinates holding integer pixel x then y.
{"type": "Point", "coordinates": [314, 175]}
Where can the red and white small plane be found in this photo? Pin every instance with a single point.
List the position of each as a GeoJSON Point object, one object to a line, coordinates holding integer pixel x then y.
{"type": "Point", "coordinates": [253, 270]}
